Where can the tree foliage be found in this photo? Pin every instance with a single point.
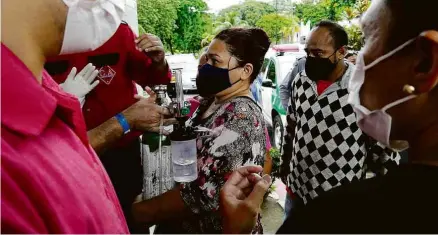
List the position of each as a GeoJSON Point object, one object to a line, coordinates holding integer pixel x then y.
{"type": "Point", "coordinates": [335, 8]}
{"type": "Point", "coordinates": [157, 17]}
{"type": "Point", "coordinates": [249, 12]}
{"type": "Point", "coordinates": [190, 25]}
{"type": "Point", "coordinates": [355, 37]}
{"type": "Point", "coordinates": [315, 11]}
{"type": "Point", "coordinates": [184, 26]}
{"type": "Point", "coordinates": [230, 19]}
{"type": "Point", "coordinates": [277, 26]}
{"type": "Point", "coordinates": [276, 163]}
{"type": "Point", "coordinates": [349, 14]}
{"type": "Point", "coordinates": [308, 11]}
{"type": "Point", "coordinates": [361, 6]}
{"type": "Point", "coordinates": [283, 6]}
{"type": "Point", "coordinates": [179, 23]}
{"type": "Point", "coordinates": [243, 15]}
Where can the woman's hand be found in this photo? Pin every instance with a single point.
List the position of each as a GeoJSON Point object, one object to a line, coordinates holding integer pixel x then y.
{"type": "Point", "coordinates": [241, 198]}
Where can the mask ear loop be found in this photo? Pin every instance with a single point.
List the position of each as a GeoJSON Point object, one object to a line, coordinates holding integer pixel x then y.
{"type": "Point", "coordinates": [400, 101]}
{"type": "Point", "coordinates": [229, 70]}
{"type": "Point", "coordinates": [384, 57]}
{"type": "Point", "coordinates": [389, 54]}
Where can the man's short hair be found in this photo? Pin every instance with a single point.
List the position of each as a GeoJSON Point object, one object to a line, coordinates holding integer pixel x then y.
{"type": "Point", "coordinates": [408, 18]}
{"type": "Point", "coordinates": [337, 32]}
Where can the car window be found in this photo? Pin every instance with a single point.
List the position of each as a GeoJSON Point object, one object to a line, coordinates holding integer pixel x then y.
{"type": "Point", "coordinates": [271, 71]}
{"type": "Point", "coordinates": [265, 65]}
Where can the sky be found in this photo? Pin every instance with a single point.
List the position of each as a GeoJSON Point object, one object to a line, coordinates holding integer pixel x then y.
{"type": "Point", "coordinates": [217, 5]}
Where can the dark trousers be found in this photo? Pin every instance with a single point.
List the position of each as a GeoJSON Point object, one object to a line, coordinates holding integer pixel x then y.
{"type": "Point", "coordinates": [123, 165]}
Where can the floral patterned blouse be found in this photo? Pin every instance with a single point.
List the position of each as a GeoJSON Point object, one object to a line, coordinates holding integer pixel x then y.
{"type": "Point", "coordinates": [239, 140]}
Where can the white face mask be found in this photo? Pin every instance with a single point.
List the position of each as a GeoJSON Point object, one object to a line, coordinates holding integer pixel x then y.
{"type": "Point", "coordinates": [377, 123]}
{"type": "Point", "coordinates": [90, 23]}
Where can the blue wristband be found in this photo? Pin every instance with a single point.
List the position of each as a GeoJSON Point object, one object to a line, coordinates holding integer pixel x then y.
{"type": "Point", "coordinates": [123, 123]}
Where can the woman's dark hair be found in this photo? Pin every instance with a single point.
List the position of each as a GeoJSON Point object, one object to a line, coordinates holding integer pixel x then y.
{"type": "Point", "coordinates": [247, 46]}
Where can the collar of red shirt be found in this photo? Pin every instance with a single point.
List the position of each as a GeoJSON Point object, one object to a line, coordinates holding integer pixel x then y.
{"type": "Point", "coordinates": [28, 107]}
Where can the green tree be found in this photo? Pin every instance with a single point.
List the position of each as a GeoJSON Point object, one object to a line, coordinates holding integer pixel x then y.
{"type": "Point", "coordinates": [225, 20]}
{"type": "Point", "coordinates": [309, 11]}
{"type": "Point", "coordinates": [191, 24]}
{"type": "Point", "coordinates": [355, 37]}
{"type": "Point", "coordinates": [277, 26]}
{"type": "Point", "coordinates": [335, 8]}
{"type": "Point", "coordinates": [249, 11]}
{"type": "Point", "coordinates": [158, 17]}
{"type": "Point", "coordinates": [315, 11]}
{"type": "Point", "coordinates": [283, 6]}
{"type": "Point", "coordinates": [231, 19]}
{"type": "Point", "coordinates": [349, 14]}
{"type": "Point", "coordinates": [361, 7]}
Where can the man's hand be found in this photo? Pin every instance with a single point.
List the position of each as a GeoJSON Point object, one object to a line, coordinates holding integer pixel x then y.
{"type": "Point", "coordinates": [241, 198]}
{"type": "Point", "coordinates": [152, 46]}
{"type": "Point", "coordinates": [145, 115]}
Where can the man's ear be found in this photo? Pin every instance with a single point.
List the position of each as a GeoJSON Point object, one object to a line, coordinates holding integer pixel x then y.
{"type": "Point", "coordinates": [342, 52]}
{"type": "Point", "coordinates": [426, 67]}
{"type": "Point", "coordinates": [248, 69]}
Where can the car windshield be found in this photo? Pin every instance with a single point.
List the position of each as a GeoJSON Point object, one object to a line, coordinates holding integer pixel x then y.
{"type": "Point", "coordinates": [191, 67]}
{"type": "Point", "coordinates": [182, 61]}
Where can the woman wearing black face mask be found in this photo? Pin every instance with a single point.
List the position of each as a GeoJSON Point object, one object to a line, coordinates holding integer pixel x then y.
{"type": "Point", "coordinates": [237, 135]}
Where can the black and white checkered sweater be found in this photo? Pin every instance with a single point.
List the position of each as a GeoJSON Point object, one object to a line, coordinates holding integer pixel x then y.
{"type": "Point", "coordinates": [329, 149]}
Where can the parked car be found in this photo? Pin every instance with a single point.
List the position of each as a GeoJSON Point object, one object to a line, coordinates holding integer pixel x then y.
{"type": "Point", "coordinates": [278, 63]}
{"type": "Point", "coordinates": [189, 65]}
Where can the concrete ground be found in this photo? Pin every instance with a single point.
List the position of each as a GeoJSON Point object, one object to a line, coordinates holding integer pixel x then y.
{"type": "Point", "coordinates": [273, 209]}
{"type": "Point", "coordinates": [272, 216]}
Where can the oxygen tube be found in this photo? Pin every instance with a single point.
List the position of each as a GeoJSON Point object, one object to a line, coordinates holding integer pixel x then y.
{"type": "Point", "coordinates": [160, 151]}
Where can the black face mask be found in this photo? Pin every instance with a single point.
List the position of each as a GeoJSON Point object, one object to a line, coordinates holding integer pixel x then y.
{"type": "Point", "coordinates": [319, 68]}
{"type": "Point", "coordinates": [212, 80]}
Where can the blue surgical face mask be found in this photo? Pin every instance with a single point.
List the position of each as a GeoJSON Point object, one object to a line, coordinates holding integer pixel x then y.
{"type": "Point", "coordinates": [212, 80]}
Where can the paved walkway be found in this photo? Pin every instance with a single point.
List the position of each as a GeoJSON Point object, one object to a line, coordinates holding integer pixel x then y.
{"type": "Point", "coordinates": [273, 209]}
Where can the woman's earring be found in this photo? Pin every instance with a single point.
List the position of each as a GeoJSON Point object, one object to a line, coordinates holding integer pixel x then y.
{"type": "Point", "coordinates": [409, 89]}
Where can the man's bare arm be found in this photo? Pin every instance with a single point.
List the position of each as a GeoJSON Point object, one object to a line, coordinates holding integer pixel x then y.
{"type": "Point", "coordinates": [105, 135]}
{"type": "Point", "coordinates": [143, 115]}
{"type": "Point", "coordinates": [161, 208]}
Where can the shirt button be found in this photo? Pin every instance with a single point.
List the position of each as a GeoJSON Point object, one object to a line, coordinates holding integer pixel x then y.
{"type": "Point", "coordinates": [88, 110]}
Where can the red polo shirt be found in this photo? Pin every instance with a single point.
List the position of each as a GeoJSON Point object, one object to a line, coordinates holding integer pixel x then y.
{"type": "Point", "coordinates": [112, 95]}
{"type": "Point", "coordinates": [51, 179]}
